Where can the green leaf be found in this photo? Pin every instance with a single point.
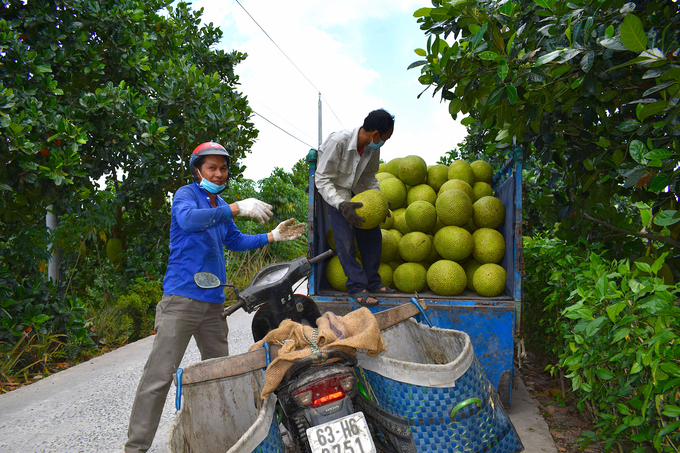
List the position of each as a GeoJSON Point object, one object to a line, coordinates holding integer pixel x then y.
{"type": "Point", "coordinates": [660, 182]}
{"type": "Point", "coordinates": [604, 374]}
{"type": "Point", "coordinates": [587, 61]}
{"type": "Point", "coordinates": [629, 126]}
{"type": "Point", "coordinates": [666, 217]}
{"type": "Point", "coordinates": [422, 12]}
{"type": "Point", "coordinates": [668, 428]}
{"type": "Point", "coordinates": [495, 95]}
{"type": "Point", "coordinates": [614, 310]}
{"type": "Point", "coordinates": [651, 109]}
{"type": "Point", "coordinates": [609, 32]}
{"type": "Point", "coordinates": [512, 94]}
{"type": "Point", "coordinates": [612, 43]}
{"type": "Point", "coordinates": [547, 4]}
{"type": "Point", "coordinates": [636, 368]}
{"type": "Point", "coordinates": [620, 333]}
{"type": "Point", "coordinates": [670, 368]}
{"type": "Point", "coordinates": [577, 83]}
{"type": "Point", "coordinates": [488, 55]}
{"type": "Point", "coordinates": [622, 408]}
{"type": "Point", "coordinates": [420, 52]}
{"type": "Point", "coordinates": [479, 36]}
{"type": "Point", "coordinates": [671, 410]}
{"type": "Point", "coordinates": [41, 319]}
{"type": "Point", "coordinates": [502, 70]}
{"type": "Point", "coordinates": [632, 34]}
{"type": "Point", "coordinates": [547, 58]}
{"type": "Point", "coordinates": [660, 154]}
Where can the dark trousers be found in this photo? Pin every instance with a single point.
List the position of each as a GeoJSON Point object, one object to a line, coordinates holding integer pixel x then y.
{"type": "Point", "coordinates": [359, 277]}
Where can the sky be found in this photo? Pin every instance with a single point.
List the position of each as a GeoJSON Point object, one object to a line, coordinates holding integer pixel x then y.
{"type": "Point", "coordinates": [354, 52]}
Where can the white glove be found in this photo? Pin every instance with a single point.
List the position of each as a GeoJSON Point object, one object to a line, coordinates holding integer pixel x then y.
{"type": "Point", "coordinates": [285, 232]}
{"type": "Point", "coordinates": [256, 209]}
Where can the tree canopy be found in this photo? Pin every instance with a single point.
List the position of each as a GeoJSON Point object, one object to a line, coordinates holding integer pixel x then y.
{"type": "Point", "coordinates": [101, 103]}
{"type": "Point", "coordinates": [590, 89]}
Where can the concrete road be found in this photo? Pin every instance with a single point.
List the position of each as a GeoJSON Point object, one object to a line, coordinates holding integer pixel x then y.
{"type": "Point", "coordinates": [86, 408]}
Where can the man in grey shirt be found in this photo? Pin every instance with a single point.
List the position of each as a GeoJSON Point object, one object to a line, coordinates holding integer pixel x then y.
{"type": "Point", "coordinates": [347, 163]}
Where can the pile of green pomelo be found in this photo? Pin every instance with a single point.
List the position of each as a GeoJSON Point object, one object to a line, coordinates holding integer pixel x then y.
{"type": "Point", "coordinates": [442, 233]}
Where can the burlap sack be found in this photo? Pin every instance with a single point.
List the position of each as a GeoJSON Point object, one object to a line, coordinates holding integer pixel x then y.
{"type": "Point", "coordinates": [357, 330]}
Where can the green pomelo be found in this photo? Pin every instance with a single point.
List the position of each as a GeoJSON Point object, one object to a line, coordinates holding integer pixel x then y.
{"type": "Point", "coordinates": [665, 272]}
{"type": "Point", "coordinates": [421, 216]}
{"type": "Point", "coordinates": [395, 191]}
{"type": "Point", "coordinates": [437, 175]}
{"type": "Point", "coordinates": [374, 210]}
{"type": "Point", "coordinates": [336, 275]}
{"type": "Point", "coordinates": [410, 277]}
{"type": "Point", "coordinates": [381, 167]}
{"type": "Point", "coordinates": [460, 185]}
{"type": "Point", "coordinates": [400, 221]}
{"type": "Point", "coordinates": [393, 166]}
{"type": "Point", "coordinates": [489, 280]}
{"type": "Point", "coordinates": [453, 243]}
{"type": "Point", "coordinates": [398, 234]}
{"type": "Point", "coordinates": [114, 251]}
{"type": "Point", "coordinates": [388, 222]}
{"type": "Point", "coordinates": [459, 169]}
{"type": "Point", "coordinates": [412, 170]}
{"type": "Point", "coordinates": [483, 171]}
{"type": "Point", "coordinates": [488, 212]}
{"type": "Point", "coordinates": [470, 226]}
{"type": "Point", "coordinates": [489, 246]}
{"type": "Point", "coordinates": [330, 239]}
{"type": "Point", "coordinates": [470, 267]}
{"type": "Point", "coordinates": [437, 226]}
{"type": "Point", "coordinates": [433, 256]}
{"type": "Point", "coordinates": [446, 278]}
{"type": "Point", "coordinates": [390, 246]}
{"type": "Point", "coordinates": [454, 207]}
{"type": "Point", "coordinates": [396, 263]}
{"type": "Point", "coordinates": [421, 192]}
{"type": "Point", "coordinates": [481, 189]}
{"type": "Point", "coordinates": [415, 246]}
{"type": "Point", "coordinates": [384, 175]}
{"type": "Point", "coordinates": [386, 272]}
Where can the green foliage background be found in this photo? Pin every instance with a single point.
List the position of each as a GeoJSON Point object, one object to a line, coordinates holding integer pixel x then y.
{"type": "Point", "coordinates": [101, 104]}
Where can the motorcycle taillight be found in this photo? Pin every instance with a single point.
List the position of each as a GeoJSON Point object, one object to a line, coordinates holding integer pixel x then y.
{"type": "Point", "coordinates": [324, 391]}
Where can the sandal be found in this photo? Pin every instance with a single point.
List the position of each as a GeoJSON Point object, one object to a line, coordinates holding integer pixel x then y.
{"type": "Point", "coordinates": [362, 298]}
{"type": "Point", "coordinates": [383, 290]}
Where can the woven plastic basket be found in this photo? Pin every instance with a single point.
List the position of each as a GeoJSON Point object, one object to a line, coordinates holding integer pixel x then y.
{"type": "Point", "coordinates": [226, 415]}
{"type": "Point", "coordinates": [428, 393]}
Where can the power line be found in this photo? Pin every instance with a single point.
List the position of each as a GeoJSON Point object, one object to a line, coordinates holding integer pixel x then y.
{"type": "Point", "coordinates": [291, 62]}
{"type": "Point", "coordinates": [284, 119]}
{"type": "Point", "coordinates": [282, 129]}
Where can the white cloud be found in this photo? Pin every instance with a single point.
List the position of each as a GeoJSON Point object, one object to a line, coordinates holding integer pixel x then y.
{"type": "Point", "coordinates": [354, 52]}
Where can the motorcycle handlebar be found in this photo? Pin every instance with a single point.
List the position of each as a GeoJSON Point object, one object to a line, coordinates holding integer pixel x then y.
{"type": "Point", "coordinates": [323, 256]}
{"type": "Point", "coordinates": [232, 309]}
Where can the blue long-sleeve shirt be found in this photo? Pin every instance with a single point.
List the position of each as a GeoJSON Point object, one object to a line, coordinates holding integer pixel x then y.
{"type": "Point", "coordinates": [198, 233]}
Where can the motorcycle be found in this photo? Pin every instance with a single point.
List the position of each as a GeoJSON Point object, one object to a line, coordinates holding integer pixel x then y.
{"type": "Point", "coordinates": [315, 399]}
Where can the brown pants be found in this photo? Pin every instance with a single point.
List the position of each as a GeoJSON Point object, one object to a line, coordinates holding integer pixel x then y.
{"type": "Point", "coordinates": [177, 320]}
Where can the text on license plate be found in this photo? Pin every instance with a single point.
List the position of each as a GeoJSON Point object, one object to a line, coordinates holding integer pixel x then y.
{"type": "Point", "coordinates": [345, 435]}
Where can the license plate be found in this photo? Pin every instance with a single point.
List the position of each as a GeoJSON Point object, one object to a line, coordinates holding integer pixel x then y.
{"type": "Point", "coordinates": [345, 435]}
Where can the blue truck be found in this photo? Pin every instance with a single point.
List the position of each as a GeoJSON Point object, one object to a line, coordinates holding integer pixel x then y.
{"type": "Point", "coordinates": [491, 322]}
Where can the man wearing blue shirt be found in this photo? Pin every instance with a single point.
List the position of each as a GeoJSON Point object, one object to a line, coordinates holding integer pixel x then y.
{"type": "Point", "coordinates": [201, 226]}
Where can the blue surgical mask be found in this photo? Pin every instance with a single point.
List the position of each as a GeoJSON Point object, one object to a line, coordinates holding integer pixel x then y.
{"type": "Point", "coordinates": [211, 187]}
{"type": "Point", "coordinates": [375, 146]}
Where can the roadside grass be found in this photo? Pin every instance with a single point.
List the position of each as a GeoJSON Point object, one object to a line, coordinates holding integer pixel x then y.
{"type": "Point", "coordinates": [112, 322]}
